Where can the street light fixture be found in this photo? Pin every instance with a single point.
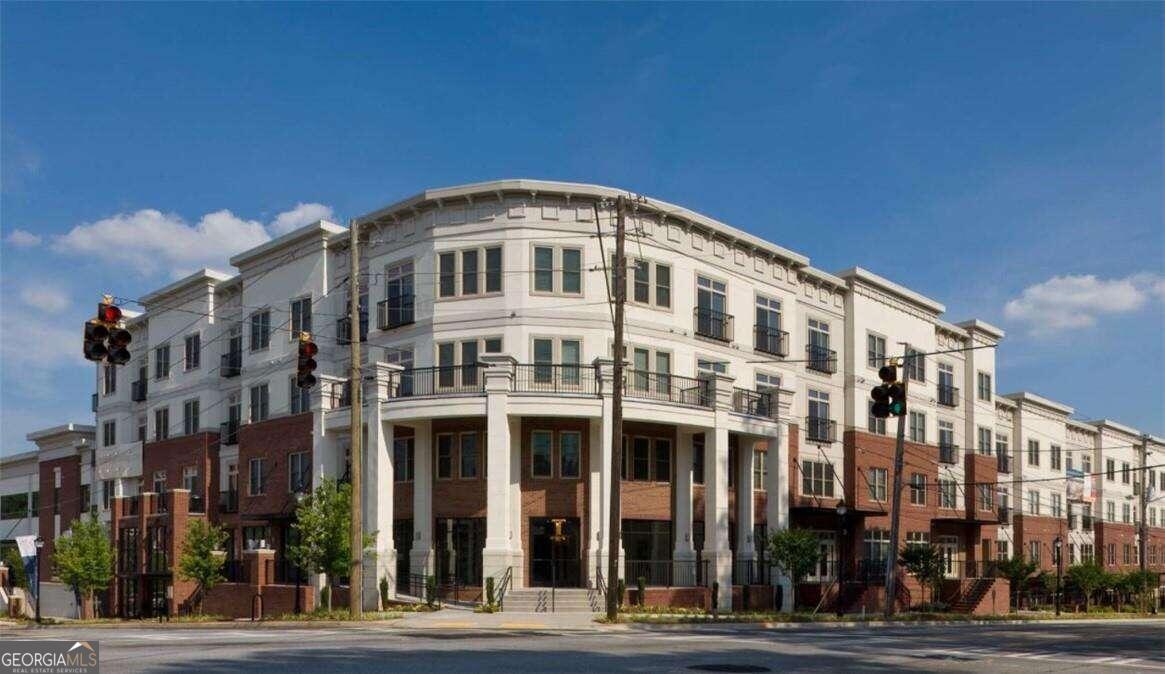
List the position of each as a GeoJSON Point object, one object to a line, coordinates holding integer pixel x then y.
{"type": "Point", "coordinates": [842, 510]}
{"type": "Point", "coordinates": [39, 544]}
{"type": "Point", "coordinates": [1058, 543]}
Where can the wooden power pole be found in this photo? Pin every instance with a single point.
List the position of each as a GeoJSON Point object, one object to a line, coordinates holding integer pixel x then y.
{"type": "Point", "coordinates": [896, 503]}
{"type": "Point", "coordinates": [356, 575]}
{"type": "Point", "coordinates": [613, 525]}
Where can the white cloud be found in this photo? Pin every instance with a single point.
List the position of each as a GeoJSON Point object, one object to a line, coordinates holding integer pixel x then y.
{"type": "Point", "coordinates": [302, 214]}
{"type": "Point", "coordinates": [23, 239]}
{"type": "Point", "coordinates": [41, 347]}
{"type": "Point", "coordinates": [1075, 301]}
{"type": "Point", "coordinates": [44, 298]}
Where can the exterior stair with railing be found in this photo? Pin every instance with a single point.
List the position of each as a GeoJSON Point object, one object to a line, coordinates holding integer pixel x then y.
{"type": "Point", "coordinates": [563, 600]}
{"type": "Point", "coordinates": [972, 599]}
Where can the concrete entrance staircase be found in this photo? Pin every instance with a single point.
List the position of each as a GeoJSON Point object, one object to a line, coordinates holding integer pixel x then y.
{"type": "Point", "coordinates": [565, 600]}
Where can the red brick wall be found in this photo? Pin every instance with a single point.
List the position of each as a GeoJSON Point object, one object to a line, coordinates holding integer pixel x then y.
{"type": "Point", "coordinates": [1120, 535]}
{"type": "Point", "coordinates": [555, 497]}
{"type": "Point", "coordinates": [650, 500]}
{"type": "Point", "coordinates": [272, 440]}
{"type": "Point", "coordinates": [176, 454]}
{"type": "Point", "coordinates": [694, 597]}
{"type": "Point", "coordinates": [70, 505]}
{"type": "Point", "coordinates": [235, 600]}
{"type": "Point", "coordinates": [1028, 528]}
{"type": "Point", "coordinates": [457, 497]}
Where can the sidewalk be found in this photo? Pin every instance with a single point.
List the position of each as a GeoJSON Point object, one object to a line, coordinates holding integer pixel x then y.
{"type": "Point", "coordinates": [455, 617]}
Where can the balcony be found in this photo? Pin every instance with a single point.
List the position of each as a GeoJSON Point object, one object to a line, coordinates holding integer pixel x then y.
{"type": "Point", "coordinates": [1004, 514]}
{"type": "Point", "coordinates": [228, 501]}
{"type": "Point", "coordinates": [818, 429]}
{"type": "Point", "coordinates": [1004, 463]}
{"type": "Point", "coordinates": [755, 403]}
{"type": "Point", "coordinates": [344, 329]}
{"type": "Point", "coordinates": [948, 453]}
{"type": "Point", "coordinates": [695, 391]}
{"type": "Point", "coordinates": [339, 394]}
{"type": "Point", "coordinates": [401, 312]}
{"type": "Point", "coordinates": [444, 380]}
{"type": "Point", "coordinates": [231, 364]}
{"type": "Point", "coordinates": [228, 433]}
{"type": "Point", "coordinates": [713, 324]}
{"type": "Point", "coordinates": [948, 395]}
{"type": "Point", "coordinates": [553, 379]}
{"type": "Point", "coordinates": [137, 391]}
{"type": "Point", "coordinates": [820, 359]}
{"type": "Point", "coordinates": [771, 341]}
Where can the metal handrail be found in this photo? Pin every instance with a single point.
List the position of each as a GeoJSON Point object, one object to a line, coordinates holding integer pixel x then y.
{"type": "Point", "coordinates": [820, 429]}
{"type": "Point", "coordinates": [500, 591]}
{"type": "Point", "coordinates": [437, 381]}
{"type": "Point", "coordinates": [948, 395]}
{"type": "Point", "coordinates": [948, 453]}
{"type": "Point", "coordinates": [696, 391]}
{"type": "Point", "coordinates": [403, 313]}
{"type": "Point", "coordinates": [820, 359]}
{"type": "Point", "coordinates": [771, 340]}
{"type": "Point", "coordinates": [755, 403]}
{"type": "Point", "coordinates": [556, 378]}
{"type": "Point", "coordinates": [713, 324]}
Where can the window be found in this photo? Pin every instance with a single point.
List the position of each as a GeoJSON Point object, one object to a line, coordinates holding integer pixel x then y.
{"type": "Point", "coordinates": [946, 493]}
{"type": "Point", "coordinates": [298, 473]}
{"type": "Point", "coordinates": [661, 460]}
{"type": "Point", "coordinates": [141, 437]}
{"type": "Point", "coordinates": [445, 442]}
{"type": "Point", "coordinates": [159, 481]}
{"type": "Point", "coordinates": [109, 433]}
{"type": "Point", "coordinates": [161, 423]}
{"type": "Point", "coordinates": [260, 330]}
{"type": "Point", "coordinates": [300, 317]}
{"type": "Point", "coordinates": [1110, 511]}
{"type": "Point", "coordinates": [917, 427]}
{"type": "Point", "coordinates": [109, 379]}
{"type": "Point", "coordinates": [1057, 505]}
{"type": "Point", "coordinates": [946, 384]}
{"type": "Point", "coordinates": [1110, 469]}
{"type": "Point", "coordinates": [820, 356]}
{"type": "Point", "coordinates": [543, 269]}
{"type": "Point", "coordinates": [984, 441]}
{"type": "Point", "coordinates": [643, 276]}
{"type": "Point", "coordinates": [298, 398]}
{"type": "Point", "coordinates": [1124, 472]}
{"type": "Point", "coordinates": [917, 489]}
{"type": "Point", "coordinates": [106, 494]}
{"type": "Point", "coordinates": [819, 422]}
{"type": "Point", "coordinates": [259, 403]}
{"type": "Point", "coordinates": [460, 272]}
{"type": "Point", "coordinates": [541, 443]}
{"type": "Point", "coordinates": [403, 457]}
{"type": "Point", "coordinates": [255, 479]}
{"type": "Point", "coordinates": [193, 353]}
{"type": "Point", "coordinates": [705, 366]}
{"type": "Point", "coordinates": [1001, 444]}
{"type": "Point", "coordinates": [877, 480]}
{"type": "Point", "coordinates": [569, 451]}
{"type": "Point", "coordinates": [468, 455]}
{"type": "Point", "coordinates": [877, 544]}
{"type": "Point", "coordinates": [640, 459]}
{"type": "Point", "coordinates": [917, 538]}
{"type": "Point", "coordinates": [875, 424]}
{"type": "Point", "coordinates": [1125, 516]}
{"type": "Point", "coordinates": [769, 337]}
{"type": "Point", "coordinates": [1033, 502]}
{"type": "Point", "coordinates": [816, 479]}
{"type": "Point", "coordinates": [1033, 452]}
{"type": "Point", "coordinates": [469, 272]}
{"type": "Point", "coordinates": [946, 434]}
{"type": "Point", "coordinates": [985, 498]}
{"type": "Point", "coordinates": [162, 362]}
{"type": "Point", "coordinates": [984, 387]}
{"type": "Point", "coordinates": [1033, 553]}
{"type": "Point", "coordinates": [698, 458]}
{"type": "Point", "coordinates": [712, 308]}
{"type": "Point", "coordinates": [760, 470]}
{"type": "Point", "coordinates": [190, 479]}
{"type": "Point", "coordinates": [1001, 551]}
{"type": "Point", "coordinates": [1086, 464]}
{"type": "Point", "coordinates": [641, 281]}
{"type": "Point", "coordinates": [447, 283]}
{"type": "Point", "coordinates": [400, 297]}
{"type": "Point", "coordinates": [662, 285]}
{"type": "Point", "coordinates": [1056, 457]}
{"type": "Point", "coordinates": [875, 350]}
{"type": "Point", "coordinates": [915, 366]}
{"type": "Point", "coordinates": [1069, 462]}
{"type": "Point", "coordinates": [190, 421]}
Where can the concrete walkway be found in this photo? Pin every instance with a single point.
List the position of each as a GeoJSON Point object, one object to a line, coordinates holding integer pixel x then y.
{"type": "Point", "coordinates": [455, 617]}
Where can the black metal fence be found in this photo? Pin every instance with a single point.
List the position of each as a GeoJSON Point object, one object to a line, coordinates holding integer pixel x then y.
{"type": "Point", "coordinates": [948, 453]}
{"type": "Point", "coordinates": [948, 395]}
{"type": "Point", "coordinates": [673, 388]}
{"type": "Point", "coordinates": [555, 378]}
{"type": "Point", "coordinates": [818, 429]}
{"type": "Point", "coordinates": [437, 381]}
{"type": "Point", "coordinates": [755, 403]}
{"type": "Point", "coordinates": [666, 572]}
{"type": "Point", "coordinates": [395, 312]}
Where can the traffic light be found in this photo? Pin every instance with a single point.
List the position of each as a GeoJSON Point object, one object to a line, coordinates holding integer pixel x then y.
{"type": "Point", "coordinates": [890, 396]}
{"type": "Point", "coordinates": [307, 363]}
{"type": "Point", "coordinates": [105, 336]}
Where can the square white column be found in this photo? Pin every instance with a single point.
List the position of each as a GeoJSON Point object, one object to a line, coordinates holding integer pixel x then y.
{"type": "Point", "coordinates": [777, 488]}
{"type": "Point", "coordinates": [421, 559]}
{"type": "Point", "coordinates": [596, 509]}
{"type": "Point", "coordinates": [684, 547]}
{"type": "Point", "coordinates": [745, 500]}
{"type": "Point", "coordinates": [497, 555]}
{"type": "Point", "coordinates": [517, 561]}
{"type": "Point", "coordinates": [380, 560]}
{"type": "Point", "coordinates": [716, 549]}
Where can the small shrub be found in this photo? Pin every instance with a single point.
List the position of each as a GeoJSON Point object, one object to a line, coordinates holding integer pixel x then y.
{"type": "Point", "coordinates": [641, 587]}
{"type": "Point", "coordinates": [384, 591]}
{"type": "Point", "coordinates": [326, 597]}
{"type": "Point", "coordinates": [430, 591]}
{"type": "Point", "coordinates": [715, 596]}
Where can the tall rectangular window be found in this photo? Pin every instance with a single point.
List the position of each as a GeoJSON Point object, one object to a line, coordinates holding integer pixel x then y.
{"type": "Point", "coordinates": [447, 279]}
{"type": "Point", "coordinates": [662, 285]}
{"type": "Point", "coordinates": [760, 470]}
{"type": "Point", "coordinates": [1055, 457]}
{"type": "Point", "coordinates": [300, 317]}
{"type": "Point", "coordinates": [469, 272]}
{"type": "Point", "coordinates": [255, 481]}
{"type": "Point", "coordinates": [877, 484]}
{"type": "Point", "coordinates": [162, 362]}
{"type": "Point", "coordinates": [445, 455]}
{"type": "Point", "coordinates": [874, 424]}
{"type": "Point", "coordinates": [190, 420]}
{"type": "Point", "coordinates": [571, 271]}
{"type": "Point", "coordinates": [109, 373]}
{"type": "Point", "coordinates": [193, 355]}
{"type": "Point", "coordinates": [711, 308]}
{"type": "Point", "coordinates": [984, 441]}
{"type": "Point", "coordinates": [917, 489]}
{"type": "Point", "coordinates": [917, 427]}
{"type": "Point", "coordinates": [915, 364]}
{"type": "Point", "coordinates": [641, 459]}
{"type": "Point", "coordinates": [468, 455]}
{"type": "Point", "coordinates": [298, 473]}
{"type": "Point", "coordinates": [1033, 452]}
{"type": "Point", "coordinates": [984, 381]}
{"type": "Point", "coordinates": [541, 445]}
{"type": "Point", "coordinates": [403, 459]}
{"type": "Point", "coordinates": [1033, 502]}
{"type": "Point", "coordinates": [260, 403]}
{"type": "Point", "coordinates": [946, 493]}
{"type": "Point", "coordinates": [1057, 505]}
{"type": "Point", "coordinates": [400, 296]}
{"type": "Point", "coordinates": [543, 269]}
{"type": "Point", "coordinates": [661, 460]}
{"type": "Point", "coordinates": [298, 398]}
{"type": "Point", "coordinates": [875, 350]}
{"type": "Point", "coordinates": [260, 330]}
{"type": "Point", "coordinates": [161, 423]}
{"type": "Point", "coordinates": [109, 433]}
{"type": "Point", "coordinates": [641, 281]}
{"type": "Point", "coordinates": [569, 450]}
{"type": "Point", "coordinates": [698, 458]}
{"type": "Point", "coordinates": [493, 269]}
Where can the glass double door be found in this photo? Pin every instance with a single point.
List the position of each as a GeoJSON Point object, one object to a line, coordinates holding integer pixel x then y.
{"type": "Point", "coordinates": [555, 552]}
{"type": "Point", "coordinates": [458, 546]}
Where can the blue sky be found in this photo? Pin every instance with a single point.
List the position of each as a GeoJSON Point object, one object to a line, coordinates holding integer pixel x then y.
{"type": "Point", "coordinates": [1005, 159]}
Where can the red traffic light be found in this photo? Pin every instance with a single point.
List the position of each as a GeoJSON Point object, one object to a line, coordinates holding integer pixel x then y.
{"type": "Point", "coordinates": [108, 313]}
{"type": "Point", "coordinates": [308, 349]}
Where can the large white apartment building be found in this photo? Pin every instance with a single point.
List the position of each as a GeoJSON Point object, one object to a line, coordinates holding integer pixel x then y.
{"type": "Point", "coordinates": [487, 392]}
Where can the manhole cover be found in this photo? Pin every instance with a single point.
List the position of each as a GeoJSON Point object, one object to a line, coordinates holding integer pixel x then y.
{"type": "Point", "coordinates": [729, 668]}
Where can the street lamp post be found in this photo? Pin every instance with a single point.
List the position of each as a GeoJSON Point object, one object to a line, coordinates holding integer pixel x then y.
{"type": "Point", "coordinates": [1059, 542]}
{"type": "Point", "coordinates": [39, 544]}
{"type": "Point", "coordinates": [841, 513]}
{"type": "Point", "coordinates": [299, 496]}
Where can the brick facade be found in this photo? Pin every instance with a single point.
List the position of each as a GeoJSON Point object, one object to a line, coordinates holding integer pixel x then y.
{"type": "Point", "coordinates": [63, 504]}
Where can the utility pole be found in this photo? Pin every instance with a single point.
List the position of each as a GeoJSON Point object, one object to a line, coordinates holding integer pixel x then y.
{"type": "Point", "coordinates": [613, 525]}
{"type": "Point", "coordinates": [896, 503]}
{"type": "Point", "coordinates": [356, 430]}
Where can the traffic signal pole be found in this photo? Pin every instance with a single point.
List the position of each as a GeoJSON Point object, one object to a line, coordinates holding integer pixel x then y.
{"type": "Point", "coordinates": [896, 506]}
{"type": "Point", "coordinates": [356, 430]}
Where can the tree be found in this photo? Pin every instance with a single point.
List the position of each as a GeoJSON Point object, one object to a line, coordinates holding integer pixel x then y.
{"type": "Point", "coordinates": [201, 559]}
{"type": "Point", "coordinates": [16, 575]}
{"type": "Point", "coordinates": [83, 557]}
{"type": "Point", "coordinates": [1017, 571]}
{"type": "Point", "coordinates": [927, 564]}
{"type": "Point", "coordinates": [323, 522]}
{"type": "Point", "coordinates": [1089, 577]}
{"type": "Point", "coordinates": [796, 552]}
{"type": "Point", "coordinates": [1138, 585]}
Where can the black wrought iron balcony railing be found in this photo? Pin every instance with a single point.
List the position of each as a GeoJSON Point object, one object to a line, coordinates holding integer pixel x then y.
{"type": "Point", "coordinates": [713, 324]}
{"type": "Point", "coordinates": [228, 501]}
{"type": "Point", "coordinates": [228, 433]}
{"type": "Point", "coordinates": [948, 395]}
{"type": "Point", "coordinates": [820, 359]}
{"type": "Point", "coordinates": [948, 453]}
{"type": "Point", "coordinates": [137, 391]}
{"type": "Point", "coordinates": [771, 340]}
{"type": "Point", "coordinates": [755, 403]}
{"type": "Point", "coordinates": [395, 312]}
{"type": "Point", "coordinates": [1004, 514]}
{"type": "Point", "coordinates": [819, 429]}
{"type": "Point", "coordinates": [339, 394]}
{"type": "Point", "coordinates": [344, 329]}
{"type": "Point", "coordinates": [1003, 463]}
{"type": "Point", "coordinates": [665, 387]}
{"type": "Point", "coordinates": [231, 364]}
{"type": "Point", "coordinates": [437, 381]}
{"type": "Point", "coordinates": [555, 378]}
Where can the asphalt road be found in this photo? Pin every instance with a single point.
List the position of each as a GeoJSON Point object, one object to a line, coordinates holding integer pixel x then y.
{"type": "Point", "coordinates": [1109, 647]}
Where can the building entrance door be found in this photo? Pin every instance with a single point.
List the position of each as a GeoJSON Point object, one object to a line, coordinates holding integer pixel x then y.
{"type": "Point", "coordinates": [949, 546]}
{"type": "Point", "coordinates": [555, 559]}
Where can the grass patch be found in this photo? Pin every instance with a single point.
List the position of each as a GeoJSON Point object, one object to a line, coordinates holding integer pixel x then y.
{"type": "Point", "coordinates": [679, 615]}
{"type": "Point", "coordinates": [338, 615]}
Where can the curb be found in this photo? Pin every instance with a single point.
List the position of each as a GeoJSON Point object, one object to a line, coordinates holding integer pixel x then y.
{"type": "Point", "coordinates": [887, 624]}
{"type": "Point", "coordinates": [242, 624]}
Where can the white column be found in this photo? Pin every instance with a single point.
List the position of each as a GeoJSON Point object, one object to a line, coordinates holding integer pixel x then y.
{"type": "Point", "coordinates": [684, 548]}
{"type": "Point", "coordinates": [777, 488]}
{"type": "Point", "coordinates": [380, 560]}
{"type": "Point", "coordinates": [597, 508]}
{"type": "Point", "coordinates": [421, 560]}
{"type": "Point", "coordinates": [745, 500]}
{"type": "Point", "coordinates": [716, 548]}
{"type": "Point", "coordinates": [499, 536]}
{"type": "Point", "coordinates": [517, 561]}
